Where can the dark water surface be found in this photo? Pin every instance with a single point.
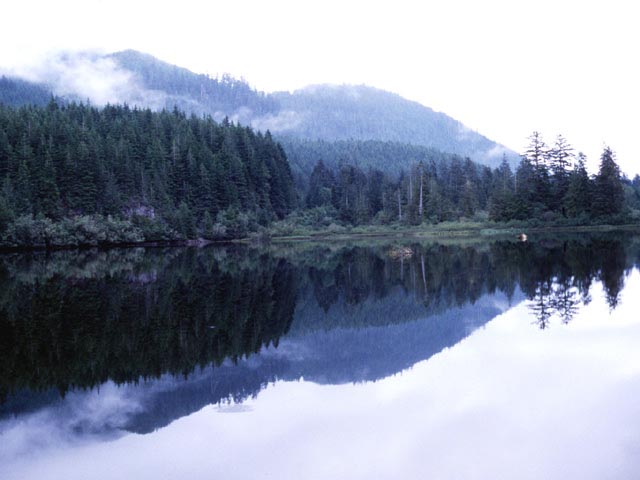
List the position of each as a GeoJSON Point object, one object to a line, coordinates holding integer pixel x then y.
{"type": "Point", "coordinates": [465, 360]}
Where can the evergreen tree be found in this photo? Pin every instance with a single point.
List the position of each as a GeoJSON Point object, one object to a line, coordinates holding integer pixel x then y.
{"type": "Point", "coordinates": [23, 190]}
{"type": "Point", "coordinates": [64, 161]}
{"type": "Point", "coordinates": [526, 199]}
{"type": "Point", "coordinates": [608, 198]}
{"type": "Point", "coordinates": [47, 194]}
{"type": "Point", "coordinates": [321, 185]}
{"type": "Point", "coordinates": [6, 214]}
{"type": "Point", "coordinates": [560, 156]}
{"type": "Point", "coordinates": [578, 197]}
{"type": "Point", "coordinates": [537, 156]}
{"type": "Point", "coordinates": [502, 201]}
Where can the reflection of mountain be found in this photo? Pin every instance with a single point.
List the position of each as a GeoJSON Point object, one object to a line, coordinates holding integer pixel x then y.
{"type": "Point", "coordinates": [196, 327]}
{"type": "Point", "coordinates": [343, 355]}
{"type": "Point", "coordinates": [329, 357]}
{"type": "Point", "coordinates": [340, 355]}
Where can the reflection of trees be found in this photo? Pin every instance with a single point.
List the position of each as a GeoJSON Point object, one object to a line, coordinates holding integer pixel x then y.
{"type": "Point", "coordinates": [437, 276]}
{"type": "Point", "coordinates": [611, 273]}
{"type": "Point", "coordinates": [558, 277]}
{"type": "Point", "coordinates": [565, 299]}
{"type": "Point", "coordinates": [189, 309]}
{"type": "Point", "coordinates": [541, 303]}
{"type": "Point", "coordinates": [77, 319]}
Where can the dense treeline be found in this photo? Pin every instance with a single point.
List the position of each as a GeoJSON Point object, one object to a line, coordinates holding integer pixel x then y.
{"type": "Point", "coordinates": [391, 158]}
{"type": "Point", "coordinates": [78, 175]}
{"type": "Point", "coordinates": [435, 191]}
{"type": "Point", "coordinates": [549, 185]}
{"type": "Point", "coordinates": [552, 182]}
{"type": "Point", "coordinates": [72, 173]}
{"type": "Point", "coordinates": [328, 112]}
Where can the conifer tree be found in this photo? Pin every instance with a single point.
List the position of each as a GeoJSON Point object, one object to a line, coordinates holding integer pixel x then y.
{"type": "Point", "coordinates": [537, 155]}
{"type": "Point", "coordinates": [560, 156]}
{"type": "Point", "coordinates": [608, 196]}
{"type": "Point", "coordinates": [578, 197]}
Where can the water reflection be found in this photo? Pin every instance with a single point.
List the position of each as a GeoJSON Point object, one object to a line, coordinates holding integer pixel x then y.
{"type": "Point", "coordinates": [98, 344]}
{"type": "Point", "coordinates": [508, 401]}
{"type": "Point", "coordinates": [328, 313]}
{"type": "Point", "coordinates": [562, 275]}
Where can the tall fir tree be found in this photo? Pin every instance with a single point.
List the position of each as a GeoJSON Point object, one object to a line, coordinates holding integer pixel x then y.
{"type": "Point", "coordinates": [577, 200]}
{"type": "Point", "coordinates": [608, 196]}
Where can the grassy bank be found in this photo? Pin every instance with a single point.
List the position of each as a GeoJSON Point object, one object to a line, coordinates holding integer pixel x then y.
{"type": "Point", "coordinates": [443, 230]}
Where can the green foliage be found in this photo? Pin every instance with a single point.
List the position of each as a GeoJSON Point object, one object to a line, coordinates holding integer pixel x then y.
{"type": "Point", "coordinates": [440, 188]}
{"type": "Point", "coordinates": [608, 197]}
{"type": "Point", "coordinates": [62, 162]}
{"type": "Point", "coordinates": [83, 230]}
{"type": "Point", "coordinates": [547, 192]}
{"type": "Point", "coordinates": [578, 198]}
{"type": "Point", "coordinates": [232, 223]}
{"type": "Point", "coordinates": [6, 215]}
{"type": "Point", "coordinates": [153, 229]}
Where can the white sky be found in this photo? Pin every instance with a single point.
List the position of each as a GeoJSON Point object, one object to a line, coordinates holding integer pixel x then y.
{"type": "Point", "coordinates": [503, 68]}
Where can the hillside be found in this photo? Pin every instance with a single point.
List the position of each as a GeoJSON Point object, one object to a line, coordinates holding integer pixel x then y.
{"type": "Point", "coordinates": [15, 92]}
{"type": "Point", "coordinates": [196, 93]}
{"type": "Point", "coordinates": [322, 112]}
{"type": "Point", "coordinates": [386, 156]}
{"type": "Point", "coordinates": [330, 112]}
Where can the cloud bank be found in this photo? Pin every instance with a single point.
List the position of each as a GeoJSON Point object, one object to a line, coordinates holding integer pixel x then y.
{"type": "Point", "coordinates": [89, 76]}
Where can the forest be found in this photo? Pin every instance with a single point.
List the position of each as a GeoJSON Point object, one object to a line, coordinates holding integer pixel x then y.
{"type": "Point", "coordinates": [74, 175]}
{"type": "Point", "coordinates": [550, 186]}
{"type": "Point", "coordinates": [79, 175]}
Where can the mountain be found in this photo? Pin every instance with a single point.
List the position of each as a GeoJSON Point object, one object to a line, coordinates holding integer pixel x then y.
{"type": "Point", "coordinates": [15, 92]}
{"type": "Point", "coordinates": [196, 93]}
{"type": "Point", "coordinates": [321, 112]}
{"type": "Point", "coordinates": [347, 112]}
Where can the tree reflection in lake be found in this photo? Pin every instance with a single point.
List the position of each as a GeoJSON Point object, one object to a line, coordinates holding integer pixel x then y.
{"type": "Point", "coordinates": [74, 320]}
{"type": "Point", "coordinates": [557, 276]}
{"type": "Point", "coordinates": [125, 315]}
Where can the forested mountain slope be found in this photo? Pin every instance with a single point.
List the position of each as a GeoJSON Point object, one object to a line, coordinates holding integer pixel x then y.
{"type": "Point", "coordinates": [15, 92]}
{"type": "Point", "coordinates": [330, 112]}
{"type": "Point", "coordinates": [321, 112]}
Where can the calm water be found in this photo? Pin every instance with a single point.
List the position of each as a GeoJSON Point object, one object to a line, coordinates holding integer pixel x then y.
{"type": "Point", "coordinates": [497, 360]}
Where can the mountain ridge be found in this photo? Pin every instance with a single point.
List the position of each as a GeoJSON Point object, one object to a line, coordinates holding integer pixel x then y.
{"type": "Point", "coordinates": [316, 112]}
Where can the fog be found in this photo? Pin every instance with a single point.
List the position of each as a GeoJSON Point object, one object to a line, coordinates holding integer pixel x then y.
{"type": "Point", "coordinates": [88, 76]}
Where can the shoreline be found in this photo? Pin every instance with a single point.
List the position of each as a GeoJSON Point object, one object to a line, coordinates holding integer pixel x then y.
{"type": "Point", "coordinates": [484, 231]}
{"type": "Point", "coordinates": [447, 232]}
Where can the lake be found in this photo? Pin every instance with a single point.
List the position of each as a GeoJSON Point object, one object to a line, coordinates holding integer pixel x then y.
{"type": "Point", "coordinates": [459, 360]}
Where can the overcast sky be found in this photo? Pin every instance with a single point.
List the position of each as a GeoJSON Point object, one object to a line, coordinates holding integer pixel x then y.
{"type": "Point", "coordinates": [503, 68]}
